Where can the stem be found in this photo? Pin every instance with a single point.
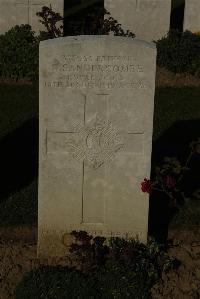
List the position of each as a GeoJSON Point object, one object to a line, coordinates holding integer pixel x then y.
{"type": "Point", "coordinates": [186, 164]}
{"type": "Point", "coordinates": [165, 191]}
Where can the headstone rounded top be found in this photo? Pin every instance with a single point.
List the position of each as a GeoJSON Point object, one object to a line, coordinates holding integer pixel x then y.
{"type": "Point", "coordinates": [82, 38]}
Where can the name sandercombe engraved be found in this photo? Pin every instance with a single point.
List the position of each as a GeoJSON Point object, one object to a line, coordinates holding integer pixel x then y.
{"type": "Point", "coordinates": [102, 68]}
{"type": "Point", "coordinates": [73, 71]}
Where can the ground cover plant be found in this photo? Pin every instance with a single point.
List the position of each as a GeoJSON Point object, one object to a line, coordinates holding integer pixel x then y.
{"type": "Point", "coordinates": [122, 269]}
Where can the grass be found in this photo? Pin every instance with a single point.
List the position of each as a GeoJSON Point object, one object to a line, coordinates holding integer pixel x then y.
{"type": "Point", "coordinates": [18, 153]}
{"type": "Point", "coordinates": [20, 207]}
{"type": "Point", "coordinates": [19, 106]}
{"type": "Point", "coordinates": [18, 103]}
{"type": "Point", "coordinates": [173, 105]}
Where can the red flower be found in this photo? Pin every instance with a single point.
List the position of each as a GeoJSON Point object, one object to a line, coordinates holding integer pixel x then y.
{"type": "Point", "coordinates": [169, 181]}
{"type": "Point", "coordinates": [146, 186]}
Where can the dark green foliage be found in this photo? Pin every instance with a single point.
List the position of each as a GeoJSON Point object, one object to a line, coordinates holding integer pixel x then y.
{"type": "Point", "coordinates": [21, 207]}
{"type": "Point", "coordinates": [95, 22]}
{"type": "Point", "coordinates": [128, 270]}
{"type": "Point", "coordinates": [90, 18]}
{"type": "Point", "coordinates": [19, 48]}
{"type": "Point", "coordinates": [50, 20]}
{"type": "Point", "coordinates": [111, 25]}
{"type": "Point", "coordinates": [56, 283]}
{"type": "Point", "coordinates": [179, 52]}
{"type": "Point", "coordinates": [124, 269]}
{"type": "Point", "coordinates": [19, 53]}
{"type": "Point", "coordinates": [174, 104]}
{"type": "Point", "coordinates": [89, 252]}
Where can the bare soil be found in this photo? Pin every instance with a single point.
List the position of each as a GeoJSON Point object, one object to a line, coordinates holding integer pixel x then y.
{"type": "Point", "coordinates": [16, 82]}
{"type": "Point", "coordinates": [167, 78]}
{"type": "Point", "coordinates": [18, 252]}
{"type": "Point", "coordinates": [183, 283]}
{"type": "Point", "coordinates": [18, 255]}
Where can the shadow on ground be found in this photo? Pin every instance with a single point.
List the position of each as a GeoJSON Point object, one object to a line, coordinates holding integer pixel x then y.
{"type": "Point", "coordinates": [19, 158]}
{"type": "Point", "coordinates": [173, 143]}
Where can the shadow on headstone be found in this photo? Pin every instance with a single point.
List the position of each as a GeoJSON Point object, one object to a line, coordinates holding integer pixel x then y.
{"type": "Point", "coordinates": [173, 143]}
{"type": "Point", "coordinates": [19, 158]}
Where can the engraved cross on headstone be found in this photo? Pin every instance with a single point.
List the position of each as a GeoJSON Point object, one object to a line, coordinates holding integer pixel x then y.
{"type": "Point", "coordinates": [29, 4]}
{"type": "Point", "coordinates": [94, 143]}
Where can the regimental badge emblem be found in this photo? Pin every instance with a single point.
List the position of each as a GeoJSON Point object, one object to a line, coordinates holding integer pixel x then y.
{"type": "Point", "coordinates": [95, 143]}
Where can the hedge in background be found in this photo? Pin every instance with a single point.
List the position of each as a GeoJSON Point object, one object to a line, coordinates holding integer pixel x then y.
{"type": "Point", "coordinates": [19, 53]}
{"type": "Point", "coordinates": [179, 52]}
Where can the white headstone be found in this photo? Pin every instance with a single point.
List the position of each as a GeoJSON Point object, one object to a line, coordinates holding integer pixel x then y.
{"type": "Point", "coordinates": [96, 120]}
{"type": "Point", "coordinates": [17, 12]}
{"type": "Point", "coordinates": [192, 15]}
{"type": "Point", "coordinates": [148, 19]}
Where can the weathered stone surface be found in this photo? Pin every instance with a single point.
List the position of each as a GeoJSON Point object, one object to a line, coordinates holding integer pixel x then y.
{"type": "Point", "coordinates": [17, 12]}
{"type": "Point", "coordinates": [148, 19]}
{"type": "Point", "coordinates": [96, 119]}
{"type": "Point", "coordinates": [192, 15]}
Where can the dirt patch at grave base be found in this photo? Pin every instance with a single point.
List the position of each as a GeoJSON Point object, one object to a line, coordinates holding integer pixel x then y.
{"type": "Point", "coordinates": [18, 255]}
{"type": "Point", "coordinates": [18, 251]}
{"type": "Point", "coordinates": [20, 81]}
{"type": "Point", "coordinates": [167, 78]}
{"type": "Point", "coordinates": [183, 283]}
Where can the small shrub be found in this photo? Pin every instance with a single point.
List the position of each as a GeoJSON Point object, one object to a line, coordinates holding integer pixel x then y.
{"type": "Point", "coordinates": [56, 283]}
{"type": "Point", "coordinates": [179, 52]}
{"type": "Point", "coordinates": [19, 53]}
{"type": "Point", "coordinates": [169, 178]}
{"type": "Point", "coordinates": [109, 25]}
{"type": "Point", "coordinates": [87, 251]}
{"type": "Point", "coordinates": [94, 23]}
{"type": "Point", "coordinates": [124, 269]}
{"type": "Point", "coordinates": [49, 19]}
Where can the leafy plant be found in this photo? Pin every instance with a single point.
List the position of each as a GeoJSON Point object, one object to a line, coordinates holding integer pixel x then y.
{"type": "Point", "coordinates": [122, 268]}
{"type": "Point", "coordinates": [56, 282]}
{"type": "Point", "coordinates": [168, 177]}
{"type": "Point", "coordinates": [50, 20]}
{"type": "Point", "coordinates": [134, 273]}
{"type": "Point", "coordinates": [109, 25]}
{"type": "Point", "coordinates": [179, 52]}
{"type": "Point", "coordinates": [19, 55]}
{"type": "Point", "coordinates": [96, 22]}
{"type": "Point", "coordinates": [89, 252]}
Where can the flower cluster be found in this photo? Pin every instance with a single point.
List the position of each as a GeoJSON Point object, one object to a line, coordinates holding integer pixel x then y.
{"type": "Point", "coordinates": [146, 186]}
{"type": "Point", "coordinates": [168, 177]}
